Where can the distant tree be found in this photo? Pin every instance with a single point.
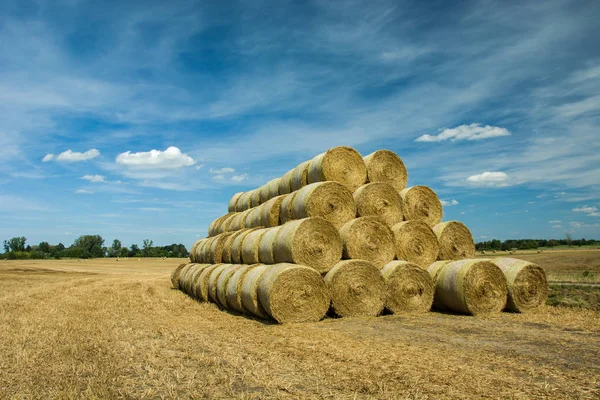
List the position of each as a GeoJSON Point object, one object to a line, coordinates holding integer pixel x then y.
{"type": "Point", "coordinates": [553, 243]}
{"type": "Point", "coordinates": [89, 246]}
{"type": "Point", "coordinates": [135, 250]}
{"type": "Point", "coordinates": [123, 252]}
{"type": "Point", "coordinates": [147, 247]}
{"type": "Point", "coordinates": [568, 239]}
{"type": "Point", "coordinates": [60, 247]}
{"type": "Point", "coordinates": [44, 247]}
{"type": "Point", "coordinates": [15, 244]}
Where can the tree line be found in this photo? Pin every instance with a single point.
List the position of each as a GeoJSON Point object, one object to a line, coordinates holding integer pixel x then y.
{"type": "Point", "coordinates": [87, 246]}
{"type": "Point", "coordinates": [527, 244]}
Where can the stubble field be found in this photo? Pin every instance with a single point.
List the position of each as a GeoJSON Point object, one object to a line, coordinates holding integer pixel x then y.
{"type": "Point", "coordinates": [107, 329]}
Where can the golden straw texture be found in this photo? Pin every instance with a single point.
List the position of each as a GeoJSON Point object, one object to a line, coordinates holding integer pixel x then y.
{"type": "Point", "coordinates": [216, 248]}
{"type": "Point", "coordinates": [416, 242]}
{"type": "Point", "coordinates": [212, 282]}
{"type": "Point", "coordinates": [455, 239]}
{"type": "Point", "coordinates": [386, 166]}
{"type": "Point", "coordinates": [299, 177]}
{"type": "Point", "coordinates": [527, 284]}
{"type": "Point", "coordinates": [236, 247]}
{"type": "Point", "coordinates": [176, 274]}
{"type": "Point", "coordinates": [223, 282]}
{"type": "Point", "coordinates": [244, 202]}
{"type": "Point", "coordinates": [266, 245]}
{"type": "Point", "coordinates": [234, 287]}
{"type": "Point", "coordinates": [420, 202]}
{"type": "Point", "coordinates": [268, 213]}
{"type": "Point", "coordinates": [369, 239]}
{"type": "Point", "coordinates": [202, 283]}
{"type": "Point", "coordinates": [341, 164]}
{"type": "Point", "coordinates": [379, 199]}
{"type": "Point", "coordinates": [410, 289]}
{"type": "Point", "coordinates": [285, 209]}
{"type": "Point", "coordinates": [250, 246]}
{"type": "Point", "coordinates": [228, 244]}
{"type": "Point", "coordinates": [328, 200]}
{"type": "Point", "coordinates": [249, 292]}
{"type": "Point", "coordinates": [233, 201]}
{"type": "Point", "coordinates": [285, 183]}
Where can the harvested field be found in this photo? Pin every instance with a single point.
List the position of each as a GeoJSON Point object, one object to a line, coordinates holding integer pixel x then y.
{"type": "Point", "coordinates": [101, 329]}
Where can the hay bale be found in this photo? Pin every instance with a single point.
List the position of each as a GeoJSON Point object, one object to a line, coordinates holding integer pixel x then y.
{"type": "Point", "coordinates": [369, 239]}
{"type": "Point", "coordinates": [328, 200]}
{"type": "Point", "coordinates": [285, 209]}
{"type": "Point", "coordinates": [244, 202]}
{"type": "Point", "coordinates": [386, 166]}
{"type": "Point", "coordinates": [252, 219]}
{"type": "Point", "coordinates": [313, 242]}
{"type": "Point", "coordinates": [381, 200]}
{"type": "Point", "coordinates": [357, 289]}
{"type": "Point", "coordinates": [234, 287]}
{"type": "Point", "coordinates": [527, 284]}
{"type": "Point", "coordinates": [216, 248]}
{"type": "Point", "coordinates": [201, 288]}
{"type": "Point", "coordinates": [435, 268]}
{"type": "Point", "coordinates": [474, 286]}
{"type": "Point", "coordinates": [299, 177]}
{"type": "Point", "coordinates": [269, 212]}
{"type": "Point", "coordinates": [213, 228]}
{"type": "Point", "coordinates": [292, 293]}
{"type": "Point", "coordinates": [212, 281]}
{"type": "Point", "coordinates": [273, 188]}
{"type": "Point", "coordinates": [227, 246]}
{"type": "Point", "coordinates": [409, 287]}
{"type": "Point", "coordinates": [225, 223]}
{"type": "Point", "coordinates": [415, 242]}
{"type": "Point", "coordinates": [255, 199]}
{"type": "Point", "coordinates": [194, 279]}
{"type": "Point", "coordinates": [266, 245]}
{"type": "Point", "coordinates": [340, 164]}
{"type": "Point", "coordinates": [223, 282]}
{"type": "Point", "coordinates": [285, 182]}
{"type": "Point", "coordinates": [194, 247]}
{"type": "Point", "coordinates": [176, 274]}
{"type": "Point", "coordinates": [233, 201]}
{"type": "Point", "coordinates": [420, 202]}
{"type": "Point", "coordinates": [237, 222]}
{"type": "Point", "coordinates": [236, 247]}
{"type": "Point", "coordinates": [264, 192]}
{"type": "Point", "coordinates": [249, 292]}
{"type": "Point", "coordinates": [250, 246]}
{"type": "Point", "coordinates": [455, 239]}
{"type": "Point", "coordinates": [203, 251]}
{"type": "Point", "coordinates": [185, 279]}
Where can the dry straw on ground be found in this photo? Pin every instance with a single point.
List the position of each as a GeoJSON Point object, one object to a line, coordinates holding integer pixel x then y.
{"type": "Point", "coordinates": [313, 242]}
{"type": "Point", "coordinates": [223, 283]}
{"type": "Point", "coordinates": [527, 284]}
{"type": "Point", "coordinates": [234, 287]}
{"type": "Point", "coordinates": [386, 166]}
{"type": "Point", "coordinates": [231, 207]}
{"type": "Point", "coordinates": [250, 246]}
{"type": "Point", "coordinates": [474, 286]}
{"type": "Point", "coordinates": [299, 177]}
{"type": "Point", "coordinates": [266, 245]}
{"type": "Point", "coordinates": [293, 293]}
{"type": "Point", "coordinates": [369, 239]}
{"type": "Point", "coordinates": [379, 199]}
{"type": "Point", "coordinates": [249, 292]}
{"type": "Point", "coordinates": [416, 242]}
{"type": "Point", "coordinates": [420, 202]}
{"type": "Point", "coordinates": [268, 213]}
{"type": "Point", "coordinates": [331, 201]}
{"type": "Point", "coordinates": [341, 164]}
{"type": "Point", "coordinates": [410, 289]}
{"type": "Point", "coordinates": [357, 289]}
{"type": "Point", "coordinates": [455, 239]}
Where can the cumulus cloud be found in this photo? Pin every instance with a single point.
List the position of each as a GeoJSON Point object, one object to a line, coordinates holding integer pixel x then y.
{"type": "Point", "coordinates": [221, 171]}
{"type": "Point", "coordinates": [487, 178]}
{"type": "Point", "coordinates": [48, 157]}
{"type": "Point", "coordinates": [171, 158]}
{"type": "Point", "coordinates": [586, 209]}
{"type": "Point", "coordinates": [239, 178]}
{"type": "Point", "coordinates": [73, 156]}
{"type": "Point", "coordinates": [557, 226]}
{"type": "Point", "coordinates": [83, 191]}
{"type": "Point", "coordinates": [452, 202]}
{"type": "Point", "coordinates": [94, 178]}
{"type": "Point", "coordinates": [219, 177]}
{"type": "Point", "coordinates": [465, 132]}
{"type": "Point", "coordinates": [594, 214]}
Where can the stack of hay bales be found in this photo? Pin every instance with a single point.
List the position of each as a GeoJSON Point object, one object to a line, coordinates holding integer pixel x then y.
{"type": "Point", "coordinates": [343, 233]}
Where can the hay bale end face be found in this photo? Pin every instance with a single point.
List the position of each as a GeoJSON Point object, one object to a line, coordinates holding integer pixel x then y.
{"type": "Point", "coordinates": [292, 293]}
{"type": "Point", "coordinates": [369, 239]}
{"type": "Point", "coordinates": [416, 242]}
{"type": "Point", "coordinates": [249, 292]}
{"type": "Point", "coordinates": [474, 286]}
{"type": "Point", "coordinates": [313, 242]}
{"type": "Point", "coordinates": [386, 166]}
{"type": "Point", "coordinates": [527, 284]}
{"type": "Point", "coordinates": [420, 202]}
{"type": "Point", "coordinates": [379, 199]}
{"type": "Point", "coordinates": [455, 240]}
{"type": "Point", "coordinates": [328, 200]}
{"type": "Point", "coordinates": [340, 164]}
{"type": "Point", "coordinates": [234, 287]}
{"type": "Point", "coordinates": [357, 289]}
{"type": "Point", "coordinates": [410, 289]}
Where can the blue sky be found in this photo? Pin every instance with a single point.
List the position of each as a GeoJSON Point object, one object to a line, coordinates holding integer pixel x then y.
{"type": "Point", "coordinates": [495, 105]}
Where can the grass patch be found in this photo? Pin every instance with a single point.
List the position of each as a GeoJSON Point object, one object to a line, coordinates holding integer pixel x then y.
{"type": "Point", "coordinates": [575, 296]}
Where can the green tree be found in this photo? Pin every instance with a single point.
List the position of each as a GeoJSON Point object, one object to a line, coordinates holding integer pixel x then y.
{"type": "Point", "coordinates": [16, 244]}
{"type": "Point", "coordinates": [44, 247]}
{"type": "Point", "coordinates": [89, 246]}
{"type": "Point", "coordinates": [135, 250]}
{"type": "Point", "coordinates": [147, 247]}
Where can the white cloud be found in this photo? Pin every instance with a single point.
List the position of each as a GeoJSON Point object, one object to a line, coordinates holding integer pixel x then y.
{"type": "Point", "coordinates": [239, 178]}
{"type": "Point", "coordinates": [171, 158]}
{"type": "Point", "coordinates": [200, 166]}
{"type": "Point", "coordinates": [557, 226]}
{"type": "Point", "coordinates": [452, 202]}
{"type": "Point", "coordinates": [94, 178]}
{"type": "Point", "coordinates": [487, 178]}
{"type": "Point", "coordinates": [221, 171]}
{"type": "Point", "coordinates": [586, 209]}
{"type": "Point", "coordinates": [219, 177]}
{"type": "Point", "coordinates": [555, 221]}
{"type": "Point", "coordinates": [465, 132]}
{"type": "Point", "coordinates": [83, 191]}
{"type": "Point", "coordinates": [48, 157]}
{"type": "Point", "coordinates": [74, 156]}
{"type": "Point", "coordinates": [594, 214]}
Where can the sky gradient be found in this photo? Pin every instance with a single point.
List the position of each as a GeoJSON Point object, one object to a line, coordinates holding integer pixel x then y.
{"type": "Point", "coordinates": [138, 120]}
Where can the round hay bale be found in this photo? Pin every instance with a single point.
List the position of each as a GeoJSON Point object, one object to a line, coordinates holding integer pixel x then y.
{"type": "Point", "coordinates": [357, 289]}
{"type": "Point", "coordinates": [255, 199]}
{"type": "Point", "coordinates": [250, 246]}
{"type": "Point", "coordinates": [222, 282]}
{"type": "Point", "coordinates": [216, 248]}
{"type": "Point", "coordinates": [415, 242]}
{"type": "Point", "coordinates": [420, 202]}
{"type": "Point", "coordinates": [474, 286]}
{"type": "Point", "coordinates": [201, 288]}
{"type": "Point", "coordinates": [236, 247]}
{"type": "Point", "coordinates": [227, 246]}
{"type": "Point", "coordinates": [340, 164]}
{"type": "Point", "coordinates": [285, 183]}
{"type": "Point", "coordinates": [193, 249]}
{"type": "Point", "coordinates": [292, 293]}
{"type": "Point", "coordinates": [269, 212]}
{"type": "Point", "coordinates": [234, 287]}
{"type": "Point", "coordinates": [202, 251]}
{"type": "Point", "coordinates": [299, 177]}
{"type": "Point", "coordinates": [381, 200]}
{"type": "Point", "coordinates": [455, 239]}
{"type": "Point", "coordinates": [249, 292]}
{"type": "Point", "coordinates": [331, 201]}
{"type": "Point", "coordinates": [273, 188]}
{"type": "Point", "coordinates": [435, 268]}
{"type": "Point", "coordinates": [252, 218]}
{"type": "Point", "coordinates": [266, 245]}
{"type": "Point", "coordinates": [185, 279]}
{"type": "Point", "coordinates": [409, 287]}
{"type": "Point", "coordinates": [244, 202]}
{"type": "Point", "coordinates": [313, 242]}
{"type": "Point", "coordinates": [285, 209]}
{"type": "Point", "coordinates": [527, 284]}
{"type": "Point", "coordinates": [176, 274]}
{"type": "Point", "coordinates": [386, 166]}
{"type": "Point", "coordinates": [213, 228]}
{"type": "Point", "coordinates": [225, 223]}
{"type": "Point", "coordinates": [233, 201]}
{"type": "Point", "coordinates": [264, 192]}
{"type": "Point", "coordinates": [237, 222]}
{"type": "Point", "coordinates": [212, 281]}
{"type": "Point", "coordinates": [369, 239]}
{"type": "Point", "coordinates": [195, 277]}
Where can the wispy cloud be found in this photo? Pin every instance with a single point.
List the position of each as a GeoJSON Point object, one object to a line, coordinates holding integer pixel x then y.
{"type": "Point", "coordinates": [586, 209]}
{"type": "Point", "coordinates": [221, 171]}
{"type": "Point", "coordinates": [555, 221]}
{"type": "Point", "coordinates": [496, 179]}
{"type": "Point", "coordinates": [452, 202]}
{"type": "Point", "coordinates": [94, 178]}
{"type": "Point", "coordinates": [70, 156]}
{"type": "Point", "coordinates": [83, 191]}
{"type": "Point", "coordinates": [465, 132]}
